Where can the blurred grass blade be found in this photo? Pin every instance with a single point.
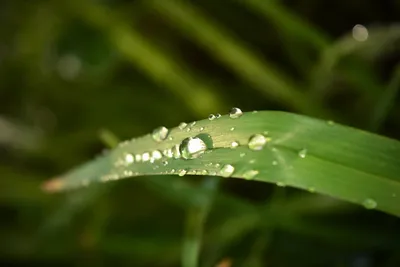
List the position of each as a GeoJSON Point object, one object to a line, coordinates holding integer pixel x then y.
{"type": "Point", "coordinates": [229, 50]}
{"type": "Point", "coordinates": [289, 23]}
{"type": "Point", "coordinates": [387, 100]}
{"type": "Point", "coordinates": [380, 40]}
{"type": "Point", "coordinates": [302, 152]}
{"type": "Point", "coordinates": [150, 59]}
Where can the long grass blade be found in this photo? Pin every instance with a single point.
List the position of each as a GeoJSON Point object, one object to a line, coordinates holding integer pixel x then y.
{"type": "Point", "coordinates": [299, 151]}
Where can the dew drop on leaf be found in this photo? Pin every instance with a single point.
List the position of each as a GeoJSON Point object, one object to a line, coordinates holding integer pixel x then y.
{"type": "Point", "coordinates": [302, 153]}
{"type": "Point", "coordinates": [145, 156]}
{"type": "Point", "coordinates": [182, 172]}
{"type": "Point", "coordinates": [227, 170]}
{"type": "Point", "coordinates": [211, 117]}
{"type": "Point", "coordinates": [281, 184]}
{"type": "Point", "coordinates": [168, 153]}
{"type": "Point", "coordinates": [232, 129]}
{"type": "Point", "coordinates": [182, 125]}
{"type": "Point", "coordinates": [274, 162]}
{"type": "Point", "coordinates": [234, 144]}
{"type": "Point", "coordinates": [129, 158]}
{"type": "Point", "coordinates": [156, 155]}
{"type": "Point", "coordinates": [369, 203]}
{"type": "Point", "coordinates": [192, 147]}
{"type": "Point", "coordinates": [138, 158]}
{"type": "Point", "coordinates": [175, 151]}
{"type": "Point", "coordinates": [160, 134]}
{"type": "Point", "coordinates": [165, 163]}
{"type": "Point", "coordinates": [235, 113]}
{"type": "Point", "coordinates": [250, 174]}
{"type": "Point", "coordinates": [217, 116]}
{"type": "Point", "coordinates": [258, 141]}
{"type": "Point", "coordinates": [242, 155]}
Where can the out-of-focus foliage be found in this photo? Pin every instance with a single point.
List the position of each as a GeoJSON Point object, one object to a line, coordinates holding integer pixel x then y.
{"type": "Point", "coordinates": [70, 68]}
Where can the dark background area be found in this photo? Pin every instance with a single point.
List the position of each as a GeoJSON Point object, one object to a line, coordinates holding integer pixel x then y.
{"type": "Point", "coordinates": [72, 70]}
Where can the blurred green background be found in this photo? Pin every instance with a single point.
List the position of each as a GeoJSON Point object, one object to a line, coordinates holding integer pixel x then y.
{"type": "Point", "coordinates": [73, 73]}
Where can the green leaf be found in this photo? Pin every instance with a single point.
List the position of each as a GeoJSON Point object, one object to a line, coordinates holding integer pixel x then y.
{"type": "Point", "coordinates": [301, 152]}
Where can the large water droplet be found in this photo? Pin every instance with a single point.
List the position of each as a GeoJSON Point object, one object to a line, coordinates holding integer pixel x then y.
{"type": "Point", "coordinates": [235, 113]}
{"type": "Point", "coordinates": [250, 174]}
{"type": "Point", "coordinates": [227, 170]}
{"type": "Point", "coordinates": [129, 158]}
{"type": "Point", "coordinates": [192, 147]}
{"type": "Point", "coordinates": [258, 141]}
{"type": "Point", "coordinates": [160, 134]}
{"type": "Point", "coordinates": [369, 203]}
{"type": "Point", "coordinates": [303, 153]}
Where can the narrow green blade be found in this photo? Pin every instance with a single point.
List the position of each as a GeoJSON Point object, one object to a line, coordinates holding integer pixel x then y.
{"type": "Point", "coordinates": [289, 149]}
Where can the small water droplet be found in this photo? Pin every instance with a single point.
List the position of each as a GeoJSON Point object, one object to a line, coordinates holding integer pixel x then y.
{"type": "Point", "coordinates": [252, 161]}
{"type": "Point", "coordinates": [175, 151]}
{"type": "Point", "coordinates": [302, 153]}
{"type": "Point", "coordinates": [235, 113]}
{"type": "Point", "coordinates": [201, 129]}
{"type": "Point", "coordinates": [170, 138]}
{"type": "Point", "coordinates": [182, 172]}
{"type": "Point", "coordinates": [182, 125]}
{"type": "Point", "coordinates": [330, 123]}
{"type": "Point", "coordinates": [311, 189]}
{"type": "Point", "coordinates": [193, 124]}
{"type": "Point", "coordinates": [234, 144]}
{"type": "Point", "coordinates": [188, 129]}
{"type": "Point", "coordinates": [129, 158]}
{"type": "Point", "coordinates": [232, 129]}
{"type": "Point", "coordinates": [213, 173]}
{"type": "Point", "coordinates": [369, 203]}
{"type": "Point", "coordinates": [281, 184]}
{"type": "Point", "coordinates": [191, 172]}
{"type": "Point", "coordinates": [255, 111]}
{"type": "Point", "coordinates": [156, 155]}
{"type": "Point", "coordinates": [168, 153]}
{"type": "Point", "coordinates": [227, 170]}
{"type": "Point", "coordinates": [204, 172]}
{"type": "Point", "coordinates": [211, 117]}
{"type": "Point", "coordinates": [242, 155]}
{"type": "Point", "coordinates": [274, 162]}
{"type": "Point", "coordinates": [159, 134]}
{"type": "Point", "coordinates": [217, 116]}
{"type": "Point", "coordinates": [145, 156]}
{"type": "Point", "coordinates": [165, 163]}
{"type": "Point", "coordinates": [172, 171]}
{"type": "Point", "coordinates": [250, 174]}
{"type": "Point", "coordinates": [258, 141]}
{"type": "Point", "coordinates": [217, 165]}
{"type": "Point", "coordinates": [138, 158]}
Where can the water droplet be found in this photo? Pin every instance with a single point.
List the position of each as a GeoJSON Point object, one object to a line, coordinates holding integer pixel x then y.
{"type": "Point", "coordinates": [360, 33]}
{"type": "Point", "coordinates": [211, 117]}
{"type": "Point", "coordinates": [303, 153]}
{"type": "Point", "coordinates": [170, 138]}
{"type": "Point", "coordinates": [172, 171]}
{"type": "Point", "coordinates": [227, 170]}
{"type": "Point", "coordinates": [193, 124]}
{"type": "Point", "coordinates": [175, 151]}
{"type": "Point", "coordinates": [369, 203]}
{"type": "Point", "coordinates": [281, 184]}
{"type": "Point", "coordinates": [217, 116]}
{"type": "Point", "coordinates": [232, 129]}
{"type": "Point", "coordinates": [168, 153]}
{"type": "Point", "coordinates": [255, 111]}
{"type": "Point", "coordinates": [191, 172]}
{"type": "Point", "coordinates": [204, 172]}
{"type": "Point", "coordinates": [129, 158]}
{"type": "Point", "coordinates": [160, 134]}
{"type": "Point", "coordinates": [165, 163]}
{"type": "Point", "coordinates": [217, 165]}
{"type": "Point", "coordinates": [235, 113]}
{"type": "Point", "coordinates": [156, 155]}
{"type": "Point", "coordinates": [250, 174]}
{"type": "Point", "coordinates": [213, 173]}
{"type": "Point", "coordinates": [192, 147]}
{"type": "Point", "coordinates": [311, 189]}
{"type": "Point", "coordinates": [188, 129]}
{"type": "Point", "coordinates": [182, 172]}
{"type": "Point", "coordinates": [330, 123]}
{"type": "Point", "coordinates": [274, 162]}
{"type": "Point", "coordinates": [257, 141]}
{"type": "Point", "coordinates": [252, 161]}
{"type": "Point", "coordinates": [138, 158]}
{"type": "Point", "coordinates": [182, 125]}
{"type": "Point", "coordinates": [234, 144]}
{"type": "Point", "coordinates": [201, 129]}
{"type": "Point", "coordinates": [242, 155]}
{"type": "Point", "coordinates": [145, 156]}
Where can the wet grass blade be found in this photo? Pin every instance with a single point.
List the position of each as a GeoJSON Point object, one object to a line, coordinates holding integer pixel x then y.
{"type": "Point", "coordinates": [299, 151]}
